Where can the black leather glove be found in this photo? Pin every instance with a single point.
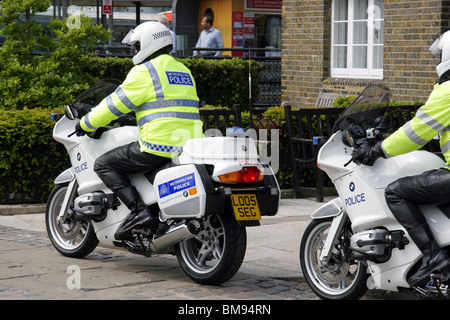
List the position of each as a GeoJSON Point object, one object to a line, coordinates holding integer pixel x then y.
{"type": "Point", "coordinates": [79, 130]}
{"type": "Point", "coordinates": [367, 155]}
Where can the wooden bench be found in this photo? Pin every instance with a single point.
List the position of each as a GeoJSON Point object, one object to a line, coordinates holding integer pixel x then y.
{"type": "Point", "coordinates": [303, 124]}
{"type": "Point", "coordinates": [326, 99]}
{"type": "Point", "coordinates": [211, 118]}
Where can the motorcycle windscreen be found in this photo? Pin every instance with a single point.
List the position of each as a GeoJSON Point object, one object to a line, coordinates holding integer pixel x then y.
{"type": "Point", "coordinates": [94, 95]}
{"type": "Point", "coordinates": [366, 108]}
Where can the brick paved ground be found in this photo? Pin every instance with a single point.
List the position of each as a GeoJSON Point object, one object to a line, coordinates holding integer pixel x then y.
{"type": "Point", "coordinates": [24, 276]}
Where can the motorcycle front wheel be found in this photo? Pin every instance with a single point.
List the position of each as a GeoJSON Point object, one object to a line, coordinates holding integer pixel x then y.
{"type": "Point", "coordinates": [342, 278]}
{"type": "Point", "coordinates": [72, 238]}
{"type": "Point", "coordinates": [216, 253]}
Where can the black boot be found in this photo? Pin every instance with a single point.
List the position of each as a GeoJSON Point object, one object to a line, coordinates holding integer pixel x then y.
{"type": "Point", "coordinates": [434, 258]}
{"type": "Point", "coordinates": [140, 214]}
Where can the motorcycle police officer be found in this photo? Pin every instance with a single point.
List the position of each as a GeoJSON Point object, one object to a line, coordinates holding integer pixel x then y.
{"type": "Point", "coordinates": [433, 187]}
{"type": "Point", "coordinates": [162, 93]}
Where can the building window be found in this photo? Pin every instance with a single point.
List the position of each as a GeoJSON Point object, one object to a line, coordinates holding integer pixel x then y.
{"type": "Point", "coordinates": [357, 39]}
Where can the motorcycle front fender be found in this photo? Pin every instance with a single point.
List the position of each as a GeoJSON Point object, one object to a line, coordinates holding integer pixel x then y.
{"type": "Point", "coordinates": [65, 176]}
{"type": "Point", "coordinates": [330, 209]}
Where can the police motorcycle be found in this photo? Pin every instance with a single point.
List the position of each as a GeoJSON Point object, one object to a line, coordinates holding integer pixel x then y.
{"type": "Point", "coordinates": [354, 242]}
{"type": "Point", "coordinates": [206, 197]}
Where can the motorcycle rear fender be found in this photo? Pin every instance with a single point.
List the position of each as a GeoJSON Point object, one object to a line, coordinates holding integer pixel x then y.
{"type": "Point", "coordinates": [331, 209]}
{"type": "Point", "coordinates": [65, 176]}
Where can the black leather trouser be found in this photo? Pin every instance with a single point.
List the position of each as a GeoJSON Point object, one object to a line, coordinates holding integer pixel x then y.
{"type": "Point", "coordinates": [406, 194]}
{"type": "Point", "coordinates": [113, 166]}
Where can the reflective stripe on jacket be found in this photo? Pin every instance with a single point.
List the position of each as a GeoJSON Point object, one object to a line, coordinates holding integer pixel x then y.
{"type": "Point", "coordinates": [163, 94]}
{"type": "Point", "coordinates": [431, 119]}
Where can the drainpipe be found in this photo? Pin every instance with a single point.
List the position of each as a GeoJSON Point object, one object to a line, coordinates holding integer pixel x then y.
{"type": "Point", "coordinates": [65, 5]}
{"type": "Point", "coordinates": [138, 12]}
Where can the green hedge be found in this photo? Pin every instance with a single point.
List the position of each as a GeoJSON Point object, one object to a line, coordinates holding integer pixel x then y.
{"type": "Point", "coordinates": [224, 82]}
{"type": "Point", "coordinates": [30, 159]}
{"type": "Point", "coordinates": [220, 82]}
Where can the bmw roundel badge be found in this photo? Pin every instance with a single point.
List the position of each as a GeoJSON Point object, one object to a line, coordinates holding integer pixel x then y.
{"type": "Point", "coordinates": [351, 186]}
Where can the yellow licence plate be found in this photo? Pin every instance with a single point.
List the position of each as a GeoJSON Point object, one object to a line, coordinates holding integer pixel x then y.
{"type": "Point", "coordinates": [245, 207]}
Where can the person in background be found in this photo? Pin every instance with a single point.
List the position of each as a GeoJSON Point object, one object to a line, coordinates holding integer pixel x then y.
{"type": "Point", "coordinates": [165, 21]}
{"type": "Point", "coordinates": [209, 38]}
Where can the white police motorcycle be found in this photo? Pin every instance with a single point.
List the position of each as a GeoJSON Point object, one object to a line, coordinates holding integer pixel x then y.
{"type": "Point", "coordinates": [354, 243]}
{"type": "Point", "coordinates": [205, 197]}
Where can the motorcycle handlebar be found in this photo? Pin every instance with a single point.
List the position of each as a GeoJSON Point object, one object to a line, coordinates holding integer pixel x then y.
{"type": "Point", "coordinates": [349, 161]}
{"type": "Point", "coordinates": [94, 135]}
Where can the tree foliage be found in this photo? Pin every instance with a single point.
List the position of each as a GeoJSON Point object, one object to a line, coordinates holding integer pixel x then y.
{"type": "Point", "coordinates": [58, 73]}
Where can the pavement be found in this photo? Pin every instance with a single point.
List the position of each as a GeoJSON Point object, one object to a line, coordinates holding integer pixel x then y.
{"type": "Point", "coordinates": [270, 270]}
{"type": "Point", "coordinates": [272, 248]}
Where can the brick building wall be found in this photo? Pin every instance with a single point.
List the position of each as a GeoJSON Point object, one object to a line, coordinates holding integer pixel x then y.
{"type": "Point", "coordinates": [410, 27]}
{"type": "Point", "coordinates": [306, 32]}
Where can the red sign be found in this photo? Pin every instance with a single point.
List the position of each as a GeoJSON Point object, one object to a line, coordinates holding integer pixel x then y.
{"type": "Point", "coordinates": [249, 25]}
{"type": "Point", "coordinates": [107, 7]}
{"type": "Point", "coordinates": [264, 4]}
{"type": "Point", "coordinates": [238, 32]}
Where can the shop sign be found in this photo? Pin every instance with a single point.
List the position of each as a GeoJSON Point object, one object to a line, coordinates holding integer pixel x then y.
{"type": "Point", "coordinates": [249, 25]}
{"type": "Point", "coordinates": [272, 5]}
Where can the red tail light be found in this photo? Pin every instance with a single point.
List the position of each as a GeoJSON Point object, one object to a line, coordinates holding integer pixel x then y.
{"type": "Point", "coordinates": [245, 175]}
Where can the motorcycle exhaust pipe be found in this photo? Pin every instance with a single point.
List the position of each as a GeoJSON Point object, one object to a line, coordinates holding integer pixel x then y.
{"type": "Point", "coordinates": [174, 235]}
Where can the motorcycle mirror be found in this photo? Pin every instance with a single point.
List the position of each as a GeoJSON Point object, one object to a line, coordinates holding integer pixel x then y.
{"type": "Point", "coordinates": [347, 138]}
{"type": "Point", "coordinates": [383, 123]}
{"type": "Point", "coordinates": [352, 133]}
{"type": "Point", "coordinates": [70, 112]}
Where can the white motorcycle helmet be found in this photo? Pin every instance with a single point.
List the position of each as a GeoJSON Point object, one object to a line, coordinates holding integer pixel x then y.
{"type": "Point", "coordinates": [442, 44]}
{"type": "Point", "coordinates": [151, 37]}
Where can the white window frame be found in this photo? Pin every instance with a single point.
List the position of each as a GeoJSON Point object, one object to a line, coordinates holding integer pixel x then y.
{"type": "Point", "coordinates": [375, 19]}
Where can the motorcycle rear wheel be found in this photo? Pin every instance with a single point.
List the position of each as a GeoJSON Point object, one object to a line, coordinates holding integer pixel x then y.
{"type": "Point", "coordinates": [75, 239]}
{"type": "Point", "coordinates": [341, 280]}
{"type": "Point", "coordinates": [215, 254]}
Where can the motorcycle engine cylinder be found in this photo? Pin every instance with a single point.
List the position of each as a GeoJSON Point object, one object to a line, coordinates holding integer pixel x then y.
{"type": "Point", "coordinates": [369, 244]}
{"type": "Point", "coordinates": [91, 205]}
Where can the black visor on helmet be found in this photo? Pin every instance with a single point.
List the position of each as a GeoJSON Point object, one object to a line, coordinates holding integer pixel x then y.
{"type": "Point", "coordinates": [137, 46]}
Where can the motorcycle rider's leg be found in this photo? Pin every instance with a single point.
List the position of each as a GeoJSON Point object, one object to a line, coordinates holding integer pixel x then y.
{"type": "Point", "coordinates": [140, 214]}
{"type": "Point", "coordinates": [113, 167]}
{"type": "Point", "coordinates": [434, 260]}
{"type": "Point", "coordinates": [403, 197]}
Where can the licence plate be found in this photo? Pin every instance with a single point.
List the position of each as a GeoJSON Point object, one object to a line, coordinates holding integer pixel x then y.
{"type": "Point", "coordinates": [245, 207]}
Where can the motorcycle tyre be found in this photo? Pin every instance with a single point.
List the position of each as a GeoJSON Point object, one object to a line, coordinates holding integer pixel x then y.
{"type": "Point", "coordinates": [89, 242]}
{"type": "Point", "coordinates": [233, 252]}
{"type": "Point", "coordinates": [356, 290]}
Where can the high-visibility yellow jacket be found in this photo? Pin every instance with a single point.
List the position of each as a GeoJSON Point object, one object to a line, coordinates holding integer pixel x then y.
{"type": "Point", "coordinates": [163, 94]}
{"type": "Point", "coordinates": [431, 119]}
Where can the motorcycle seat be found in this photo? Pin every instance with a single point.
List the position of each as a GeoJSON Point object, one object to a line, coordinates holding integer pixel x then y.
{"type": "Point", "coordinates": [152, 174]}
